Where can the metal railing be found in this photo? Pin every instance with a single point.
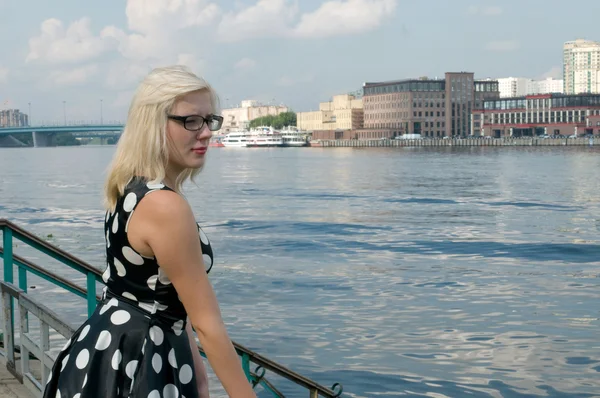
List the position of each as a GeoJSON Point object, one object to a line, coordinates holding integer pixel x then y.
{"type": "Point", "coordinates": [48, 318]}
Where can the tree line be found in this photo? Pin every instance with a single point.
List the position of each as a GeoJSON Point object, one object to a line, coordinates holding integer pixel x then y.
{"type": "Point", "coordinates": [277, 122]}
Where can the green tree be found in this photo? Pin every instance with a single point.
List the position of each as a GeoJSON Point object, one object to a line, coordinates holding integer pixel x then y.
{"type": "Point", "coordinates": [277, 122]}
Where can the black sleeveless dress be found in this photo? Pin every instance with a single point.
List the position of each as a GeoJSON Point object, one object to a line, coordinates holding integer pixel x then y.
{"type": "Point", "coordinates": [135, 343]}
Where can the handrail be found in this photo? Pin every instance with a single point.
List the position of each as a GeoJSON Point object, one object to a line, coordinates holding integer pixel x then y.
{"type": "Point", "coordinates": [263, 364]}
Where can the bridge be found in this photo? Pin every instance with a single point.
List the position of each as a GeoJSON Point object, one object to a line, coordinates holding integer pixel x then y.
{"type": "Point", "coordinates": [43, 135]}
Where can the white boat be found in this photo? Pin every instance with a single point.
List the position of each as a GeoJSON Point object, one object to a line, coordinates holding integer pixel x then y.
{"type": "Point", "coordinates": [264, 136]}
{"type": "Point", "coordinates": [235, 139]}
{"type": "Point", "coordinates": [292, 137]}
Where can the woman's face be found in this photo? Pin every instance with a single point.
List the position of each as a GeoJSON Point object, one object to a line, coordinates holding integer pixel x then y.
{"type": "Point", "coordinates": [188, 131]}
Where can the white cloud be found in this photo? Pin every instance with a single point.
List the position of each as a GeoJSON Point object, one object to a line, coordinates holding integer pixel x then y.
{"type": "Point", "coordinates": [555, 72]}
{"type": "Point", "coordinates": [55, 44]}
{"type": "Point", "coordinates": [193, 62]}
{"type": "Point", "coordinates": [245, 64]}
{"type": "Point", "coordinates": [3, 74]}
{"type": "Point", "coordinates": [344, 17]}
{"type": "Point", "coordinates": [70, 77]}
{"type": "Point", "coordinates": [155, 25]}
{"type": "Point", "coordinates": [502, 45]}
{"type": "Point", "coordinates": [281, 18]}
{"type": "Point", "coordinates": [265, 18]}
{"type": "Point", "coordinates": [124, 73]}
{"type": "Point", "coordinates": [487, 11]}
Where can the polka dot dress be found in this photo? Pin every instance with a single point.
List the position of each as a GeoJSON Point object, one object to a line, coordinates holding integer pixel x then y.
{"type": "Point", "coordinates": [135, 343]}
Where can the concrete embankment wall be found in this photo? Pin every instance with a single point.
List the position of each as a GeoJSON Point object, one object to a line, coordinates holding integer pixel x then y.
{"type": "Point", "coordinates": [459, 142]}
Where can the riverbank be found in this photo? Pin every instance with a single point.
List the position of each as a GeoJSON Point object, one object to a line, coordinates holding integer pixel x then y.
{"type": "Point", "coordinates": [457, 142]}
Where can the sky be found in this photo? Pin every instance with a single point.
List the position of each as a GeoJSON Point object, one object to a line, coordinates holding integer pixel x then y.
{"type": "Point", "coordinates": [84, 59]}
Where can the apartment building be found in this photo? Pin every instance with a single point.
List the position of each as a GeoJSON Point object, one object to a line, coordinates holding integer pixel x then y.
{"type": "Point", "coordinates": [240, 117]}
{"type": "Point", "coordinates": [430, 107]}
{"type": "Point", "coordinates": [343, 112]}
{"type": "Point", "coordinates": [527, 116]}
{"type": "Point", "coordinates": [581, 66]}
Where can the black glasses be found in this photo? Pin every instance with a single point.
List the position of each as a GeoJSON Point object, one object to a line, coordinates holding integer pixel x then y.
{"type": "Point", "coordinates": [196, 122]}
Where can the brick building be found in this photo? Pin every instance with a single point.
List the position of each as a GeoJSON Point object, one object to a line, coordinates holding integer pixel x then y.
{"type": "Point", "coordinates": [551, 114]}
{"type": "Point", "coordinates": [430, 107]}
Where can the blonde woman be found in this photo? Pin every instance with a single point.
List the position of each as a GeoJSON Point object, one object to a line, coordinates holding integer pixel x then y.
{"type": "Point", "coordinates": [139, 342]}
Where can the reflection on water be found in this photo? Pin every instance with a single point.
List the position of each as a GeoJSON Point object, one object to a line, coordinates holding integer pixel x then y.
{"type": "Point", "coordinates": [443, 272]}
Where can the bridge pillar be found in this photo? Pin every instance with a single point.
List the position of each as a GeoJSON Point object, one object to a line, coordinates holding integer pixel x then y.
{"type": "Point", "coordinates": [41, 140]}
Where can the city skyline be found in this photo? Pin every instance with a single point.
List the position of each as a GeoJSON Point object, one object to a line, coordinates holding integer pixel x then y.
{"type": "Point", "coordinates": [85, 59]}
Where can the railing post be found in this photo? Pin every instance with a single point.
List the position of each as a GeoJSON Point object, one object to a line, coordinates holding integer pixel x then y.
{"type": "Point", "coordinates": [8, 254]}
{"type": "Point", "coordinates": [313, 393]}
{"type": "Point", "coordinates": [8, 262]}
{"type": "Point", "coordinates": [246, 366]}
{"type": "Point", "coordinates": [91, 293]}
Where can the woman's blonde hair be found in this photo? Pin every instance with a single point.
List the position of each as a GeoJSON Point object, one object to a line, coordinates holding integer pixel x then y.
{"type": "Point", "coordinates": [142, 149]}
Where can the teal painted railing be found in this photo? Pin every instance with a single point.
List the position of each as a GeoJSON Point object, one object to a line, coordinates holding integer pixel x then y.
{"type": "Point", "coordinates": [12, 232]}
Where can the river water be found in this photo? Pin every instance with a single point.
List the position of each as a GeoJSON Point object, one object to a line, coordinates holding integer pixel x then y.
{"type": "Point", "coordinates": [443, 272]}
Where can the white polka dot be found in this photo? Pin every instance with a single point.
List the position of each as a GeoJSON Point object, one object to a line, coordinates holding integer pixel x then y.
{"type": "Point", "coordinates": [82, 359]}
{"type": "Point", "coordinates": [148, 307]}
{"type": "Point", "coordinates": [154, 394]}
{"type": "Point", "coordinates": [115, 224]}
{"type": "Point", "coordinates": [152, 282]}
{"type": "Point", "coordinates": [157, 363]}
{"type": "Point", "coordinates": [66, 345]}
{"type": "Point", "coordinates": [120, 317]}
{"type": "Point", "coordinates": [203, 237]}
{"type": "Point", "coordinates": [156, 335]}
{"type": "Point", "coordinates": [171, 357]}
{"type": "Point", "coordinates": [132, 256]}
{"type": "Point", "coordinates": [116, 360]}
{"type": "Point", "coordinates": [178, 327]}
{"type": "Point", "coordinates": [107, 238]}
{"type": "Point", "coordinates": [128, 220]}
{"type": "Point", "coordinates": [77, 396]}
{"type": "Point", "coordinates": [103, 340]}
{"type": "Point", "coordinates": [153, 185]}
{"type": "Point", "coordinates": [64, 363]}
{"type": "Point", "coordinates": [207, 261]}
{"type": "Point", "coordinates": [84, 332]}
{"type": "Point", "coordinates": [160, 307]}
{"type": "Point", "coordinates": [185, 374]}
{"type": "Point", "coordinates": [129, 296]}
{"type": "Point", "coordinates": [170, 391]}
{"type": "Point", "coordinates": [57, 393]}
{"type": "Point", "coordinates": [130, 369]}
{"type": "Point", "coordinates": [120, 268]}
{"type": "Point", "coordinates": [84, 381]}
{"type": "Point", "coordinates": [162, 277]}
{"type": "Point", "coordinates": [129, 202]}
{"type": "Point", "coordinates": [106, 274]}
{"type": "Point", "coordinates": [111, 303]}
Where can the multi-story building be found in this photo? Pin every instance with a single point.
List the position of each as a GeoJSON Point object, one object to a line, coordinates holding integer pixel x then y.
{"type": "Point", "coordinates": [546, 86]}
{"type": "Point", "coordinates": [240, 118]}
{"type": "Point", "coordinates": [430, 107]}
{"type": "Point", "coordinates": [551, 114]}
{"type": "Point", "coordinates": [13, 118]}
{"type": "Point", "coordinates": [511, 87]}
{"type": "Point", "coordinates": [343, 112]}
{"type": "Point", "coordinates": [581, 66]}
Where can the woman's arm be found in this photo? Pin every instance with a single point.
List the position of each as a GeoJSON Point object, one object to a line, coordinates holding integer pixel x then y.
{"type": "Point", "coordinates": [165, 223]}
{"type": "Point", "coordinates": [199, 368]}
